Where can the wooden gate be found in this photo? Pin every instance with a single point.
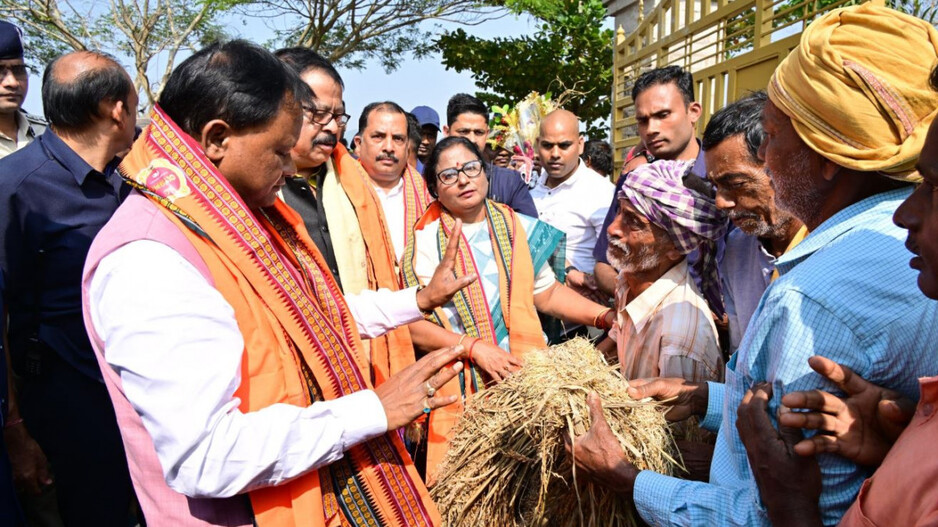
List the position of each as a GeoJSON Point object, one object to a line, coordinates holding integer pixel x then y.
{"type": "Point", "coordinates": [731, 47]}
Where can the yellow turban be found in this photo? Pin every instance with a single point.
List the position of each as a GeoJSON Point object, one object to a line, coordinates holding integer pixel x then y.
{"type": "Point", "coordinates": [856, 88]}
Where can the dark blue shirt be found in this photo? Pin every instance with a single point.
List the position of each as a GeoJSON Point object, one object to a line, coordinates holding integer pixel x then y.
{"type": "Point", "coordinates": [4, 381]}
{"type": "Point", "coordinates": [52, 204]}
{"type": "Point", "coordinates": [506, 186]}
{"type": "Point", "coordinates": [9, 508]}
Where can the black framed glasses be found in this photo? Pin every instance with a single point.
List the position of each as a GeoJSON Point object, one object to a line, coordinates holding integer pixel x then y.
{"type": "Point", "coordinates": [472, 170]}
{"type": "Point", "coordinates": [324, 117]}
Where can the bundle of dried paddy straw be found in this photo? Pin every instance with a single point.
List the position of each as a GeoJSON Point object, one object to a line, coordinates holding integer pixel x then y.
{"type": "Point", "coordinates": [506, 465]}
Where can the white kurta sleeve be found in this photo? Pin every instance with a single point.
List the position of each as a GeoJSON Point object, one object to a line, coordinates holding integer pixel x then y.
{"type": "Point", "coordinates": [175, 343]}
{"type": "Point", "coordinates": [377, 312]}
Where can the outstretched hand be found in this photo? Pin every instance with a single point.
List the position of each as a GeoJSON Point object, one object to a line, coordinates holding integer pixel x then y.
{"type": "Point", "coordinates": [862, 427]}
{"type": "Point", "coordinates": [790, 485]}
{"type": "Point", "coordinates": [598, 454]}
{"type": "Point", "coordinates": [406, 395]}
{"type": "Point", "coordinates": [444, 284]}
{"type": "Point", "coordinates": [585, 285]}
{"type": "Point", "coordinates": [494, 361]}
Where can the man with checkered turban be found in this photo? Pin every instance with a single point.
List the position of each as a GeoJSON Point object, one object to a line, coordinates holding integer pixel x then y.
{"type": "Point", "coordinates": [664, 326]}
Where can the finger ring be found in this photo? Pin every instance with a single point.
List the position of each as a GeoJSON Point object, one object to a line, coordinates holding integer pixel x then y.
{"type": "Point", "coordinates": [430, 390]}
{"type": "Point", "coordinates": [426, 405]}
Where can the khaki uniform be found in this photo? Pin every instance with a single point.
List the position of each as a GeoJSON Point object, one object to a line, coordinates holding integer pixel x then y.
{"type": "Point", "coordinates": [28, 127]}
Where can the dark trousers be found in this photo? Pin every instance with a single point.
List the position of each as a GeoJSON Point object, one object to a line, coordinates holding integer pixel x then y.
{"type": "Point", "coordinates": [72, 419]}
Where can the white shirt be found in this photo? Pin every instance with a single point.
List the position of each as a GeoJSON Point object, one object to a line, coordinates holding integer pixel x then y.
{"type": "Point", "coordinates": [392, 201]}
{"type": "Point", "coordinates": [578, 207]}
{"type": "Point", "coordinates": [177, 347]}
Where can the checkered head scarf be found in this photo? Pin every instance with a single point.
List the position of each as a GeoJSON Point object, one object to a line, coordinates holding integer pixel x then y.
{"type": "Point", "coordinates": [690, 217]}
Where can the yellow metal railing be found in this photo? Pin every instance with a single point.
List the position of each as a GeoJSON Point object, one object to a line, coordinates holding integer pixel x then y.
{"type": "Point", "coordinates": [731, 47]}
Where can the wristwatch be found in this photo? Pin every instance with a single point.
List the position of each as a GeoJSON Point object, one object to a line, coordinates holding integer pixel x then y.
{"type": "Point", "coordinates": [423, 312]}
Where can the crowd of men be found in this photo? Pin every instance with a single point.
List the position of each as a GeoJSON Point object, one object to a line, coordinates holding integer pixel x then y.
{"type": "Point", "coordinates": [205, 323]}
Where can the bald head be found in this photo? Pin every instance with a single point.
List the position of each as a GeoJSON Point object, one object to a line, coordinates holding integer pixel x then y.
{"type": "Point", "coordinates": [560, 121]}
{"type": "Point", "coordinates": [67, 68]}
{"type": "Point", "coordinates": [78, 88]}
{"type": "Point", "coordinates": [559, 146]}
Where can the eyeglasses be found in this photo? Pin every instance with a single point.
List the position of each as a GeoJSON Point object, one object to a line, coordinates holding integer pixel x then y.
{"type": "Point", "coordinates": [324, 117]}
{"type": "Point", "coordinates": [472, 170]}
{"type": "Point", "coordinates": [18, 70]}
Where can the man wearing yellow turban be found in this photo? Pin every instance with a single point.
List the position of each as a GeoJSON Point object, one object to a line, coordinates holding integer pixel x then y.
{"type": "Point", "coordinates": [848, 112]}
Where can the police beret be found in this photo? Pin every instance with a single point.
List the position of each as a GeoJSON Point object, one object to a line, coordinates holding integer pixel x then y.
{"type": "Point", "coordinates": [11, 44]}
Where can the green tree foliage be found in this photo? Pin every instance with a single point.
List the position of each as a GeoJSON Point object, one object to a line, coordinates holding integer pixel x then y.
{"type": "Point", "coordinates": [569, 50]}
{"type": "Point", "coordinates": [142, 30]}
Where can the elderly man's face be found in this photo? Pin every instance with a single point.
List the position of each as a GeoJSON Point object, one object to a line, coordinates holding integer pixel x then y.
{"type": "Point", "coordinates": [744, 191]}
{"type": "Point", "coordinates": [635, 244]}
{"type": "Point", "coordinates": [317, 141]}
{"type": "Point", "coordinates": [919, 215]}
{"type": "Point", "coordinates": [793, 167]}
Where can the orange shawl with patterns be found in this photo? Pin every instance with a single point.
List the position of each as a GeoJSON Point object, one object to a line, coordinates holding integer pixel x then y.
{"type": "Point", "coordinates": [416, 200]}
{"type": "Point", "coordinates": [301, 344]}
{"type": "Point", "coordinates": [393, 351]}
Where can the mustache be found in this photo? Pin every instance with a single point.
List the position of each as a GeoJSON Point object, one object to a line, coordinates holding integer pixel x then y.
{"type": "Point", "coordinates": [620, 245]}
{"type": "Point", "coordinates": [386, 156]}
{"type": "Point", "coordinates": [327, 139]}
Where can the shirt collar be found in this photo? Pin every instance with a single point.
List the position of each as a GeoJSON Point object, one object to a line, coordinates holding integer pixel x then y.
{"type": "Point", "coordinates": [844, 221]}
{"type": "Point", "coordinates": [23, 130]}
{"type": "Point", "coordinates": [569, 181]}
{"type": "Point", "coordinates": [641, 309]}
{"type": "Point", "coordinates": [700, 165]}
{"type": "Point", "coordinates": [393, 192]}
{"type": "Point", "coordinates": [765, 252]}
{"type": "Point", "coordinates": [78, 167]}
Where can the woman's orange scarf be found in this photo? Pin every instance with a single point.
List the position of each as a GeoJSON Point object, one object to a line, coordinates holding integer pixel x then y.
{"type": "Point", "coordinates": [516, 288]}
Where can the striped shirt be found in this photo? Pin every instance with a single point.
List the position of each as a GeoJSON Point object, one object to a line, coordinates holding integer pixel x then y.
{"type": "Point", "coordinates": [667, 330]}
{"type": "Point", "coordinates": [846, 292]}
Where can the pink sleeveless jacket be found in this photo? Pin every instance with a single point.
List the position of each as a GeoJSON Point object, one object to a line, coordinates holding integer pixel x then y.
{"type": "Point", "coordinates": [140, 219]}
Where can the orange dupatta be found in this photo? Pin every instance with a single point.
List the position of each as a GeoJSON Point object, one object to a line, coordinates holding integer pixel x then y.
{"type": "Point", "coordinates": [416, 200]}
{"type": "Point", "coordinates": [516, 286]}
{"type": "Point", "coordinates": [393, 351]}
{"type": "Point", "coordinates": [295, 324]}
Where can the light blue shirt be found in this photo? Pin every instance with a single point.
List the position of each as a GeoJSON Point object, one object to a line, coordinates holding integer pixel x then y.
{"type": "Point", "coordinates": [845, 292]}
